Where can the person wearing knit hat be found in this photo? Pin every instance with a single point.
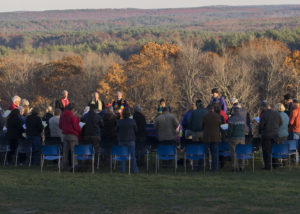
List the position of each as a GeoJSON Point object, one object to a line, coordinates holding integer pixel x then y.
{"type": "Point", "coordinates": [288, 103]}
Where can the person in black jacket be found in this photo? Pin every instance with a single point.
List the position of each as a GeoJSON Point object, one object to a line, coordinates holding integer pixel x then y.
{"type": "Point", "coordinates": [268, 128]}
{"type": "Point", "coordinates": [46, 118]}
{"type": "Point", "coordinates": [109, 134]}
{"type": "Point", "coordinates": [141, 133]}
{"type": "Point", "coordinates": [93, 124]}
{"type": "Point", "coordinates": [127, 129]}
{"type": "Point", "coordinates": [34, 129]}
{"type": "Point", "coordinates": [14, 131]}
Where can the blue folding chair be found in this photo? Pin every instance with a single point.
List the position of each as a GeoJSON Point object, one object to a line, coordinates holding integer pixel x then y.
{"type": "Point", "coordinates": [244, 152]}
{"type": "Point", "coordinates": [84, 152]}
{"type": "Point", "coordinates": [24, 147]}
{"type": "Point", "coordinates": [51, 153]}
{"type": "Point", "coordinates": [4, 147]}
{"type": "Point", "coordinates": [166, 152]}
{"type": "Point", "coordinates": [280, 151]}
{"type": "Point", "coordinates": [224, 149]}
{"type": "Point", "coordinates": [293, 149]}
{"type": "Point", "coordinates": [194, 152]}
{"type": "Point", "coordinates": [120, 153]}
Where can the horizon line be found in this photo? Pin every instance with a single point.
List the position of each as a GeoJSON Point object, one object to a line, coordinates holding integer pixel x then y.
{"type": "Point", "coordinates": [163, 8]}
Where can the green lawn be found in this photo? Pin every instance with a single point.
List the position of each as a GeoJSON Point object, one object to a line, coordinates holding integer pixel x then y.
{"type": "Point", "coordinates": [27, 190]}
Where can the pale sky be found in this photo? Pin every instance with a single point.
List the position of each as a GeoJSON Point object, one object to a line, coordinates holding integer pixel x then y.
{"type": "Point", "coordinates": [37, 5]}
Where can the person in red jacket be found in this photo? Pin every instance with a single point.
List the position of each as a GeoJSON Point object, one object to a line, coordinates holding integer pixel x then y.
{"type": "Point", "coordinates": [294, 125]}
{"type": "Point", "coordinates": [69, 124]}
{"type": "Point", "coordinates": [16, 100]}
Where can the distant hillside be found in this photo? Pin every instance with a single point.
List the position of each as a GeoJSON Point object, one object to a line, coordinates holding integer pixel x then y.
{"type": "Point", "coordinates": [217, 18]}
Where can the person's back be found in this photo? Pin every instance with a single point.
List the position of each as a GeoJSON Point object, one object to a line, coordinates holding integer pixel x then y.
{"type": "Point", "coordinates": [270, 123]}
{"type": "Point", "coordinates": [283, 129]}
{"type": "Point", "coordinates": [14, 125]}
{"type": "Point", "coordinates": [93, 123]}
{"type": "Point", "coordinates": [166, 125]}
{"type": "Point", "coordinates": [295, 119]}
{"type": "Point", "coordinates": [126, 129]}
{"type": "Point", "coordinates": [55, 131]}
{"type": "Point", "coordinates": [236, 126]}
{"type": "Point", "coordinates": [195, 120]}
{"type": "Point", "coordinates": [141, 124]}
{"type": "Point", "coordinates": [69, 124]}
{"type": "Point", "coordinates": [109, 131]}
{"type": "Point", "coordinates": [211, 127]}
{"type": "Point", "coordinates": [34, 126]}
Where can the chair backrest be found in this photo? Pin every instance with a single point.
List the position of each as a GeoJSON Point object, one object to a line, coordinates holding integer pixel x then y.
{"type": "Point", "coordinates": [224, 147]}
{"type": "Point", "coordinates": [24, 146]}
{"type": "Point", "coordinates": [83, 149]}
{"type": "Point", "coordinates": [3, 140]}
{"type": "Point", "coordinates": [52, 150]}
{"type": "Point", "coordinates": [150, 130]}
{"type": "Point", "coordinates": [280, 149]}
{"type": "Point", "coordinates": [195, 149]}
{"type": "Point", "coordinates": [166, 150]}
{"type": "Point", "coordinates": [120, 150]}
{"type": "Point", "coordinates": [244, 149]}
{"type": "Point", "coordinates": [292, 144]}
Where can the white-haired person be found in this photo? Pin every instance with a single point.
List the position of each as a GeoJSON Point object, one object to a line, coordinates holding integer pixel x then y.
{"type": "Point", "coordinates": [100, 106]}
{"type": "Point", "coordinates": [119, 104]}
{"type": "Point", "coordinates": [46, 118]}
{"type": "Point", "coordinates": [16, 100]}
{"type": "Point", "coordinates": [283, 131]}
{"type": "Point", "coordinates": [63, 102]}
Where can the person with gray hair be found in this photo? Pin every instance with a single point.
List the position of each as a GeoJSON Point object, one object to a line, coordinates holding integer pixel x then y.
{"type": "Point", "coordinates": [63, 102]}
{"type": "Point", "coordinates": [16, 100]}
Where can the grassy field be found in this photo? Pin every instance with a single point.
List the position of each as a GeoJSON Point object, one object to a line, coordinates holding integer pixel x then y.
{"type": "Point", "coordinates": [27, 190]}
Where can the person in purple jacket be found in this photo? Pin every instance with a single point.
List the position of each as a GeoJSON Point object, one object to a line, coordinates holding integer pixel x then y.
{"type": "Point", "coordinates": [217, 98]}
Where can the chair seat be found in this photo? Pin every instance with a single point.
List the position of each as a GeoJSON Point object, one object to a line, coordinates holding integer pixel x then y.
{"type": "Point", "coordinates": [165, 157]}
{"type": "Point", "coordinates": [244, 157]}
{"type": "Point", "coordinates": [194, 157]}
{"type": "Point", "coordinates": [279, 156]}
{"type": "Point", "coordinates": [88, 157]}
{"type": "Point", "coordinates": [52, 157]}
{"type": "Point", "coordinates": [120, 158]}
{"type": "Point", "coordinates": [225, 153]}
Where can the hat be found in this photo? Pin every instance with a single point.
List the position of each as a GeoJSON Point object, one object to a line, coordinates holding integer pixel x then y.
{"type": "Point", "coordinates": [214, 90]}
{"type": "Point", "coordinates": [287, 97]}
{"type": "Point", "coordinates": [234, 101]}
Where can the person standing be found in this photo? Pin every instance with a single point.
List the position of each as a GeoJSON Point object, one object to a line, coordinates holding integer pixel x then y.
{"type": "Point", "coordinates": [269, 125]}
{"type": "Point", "coordinates": [294, 125]}
{"type": "Point", "coordinates": [109, 134]}
{"type": "Point", "coordinates": [63, 102]}
{"type": "Point", "coordinates": [283, 132]}
{"type": "Point", "coordinates": [217, 98]}
{"type": "Point", "coordinates": [195, 122]}
{"type": "Point", "coordinates": [69, 124]}
{"type": "Point", "coordinates": [34, 129]}
{"type": "Point", "coordinates": [211, 124]}
{"type": "Point", "coordinates": [162, 104]}
{"type": "Point", "coordinates": [16, 100]}
{"type": "Point", "coordinates": [46, 118]}
{"type": "Point", "coordinates": [166, 125]}
{"type": "Point", "coordinates": [100, 106]}
{"type": "Point", "coordinates": [127, 129]}
{"type": "Point", "coordinates": [140, 121]}
{"type": "Point", "coordinates": [55, 131]}
{"type": "Point", "coordinates": [236, 135]}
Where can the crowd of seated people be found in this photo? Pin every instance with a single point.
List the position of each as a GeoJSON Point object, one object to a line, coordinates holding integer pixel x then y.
{"type": "Point", "coordinates": [106, 125]}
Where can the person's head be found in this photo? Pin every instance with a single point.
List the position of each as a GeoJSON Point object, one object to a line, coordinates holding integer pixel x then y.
{"type": "Point", "coordinates": [162, 102]}
{"type": "Point", "coordinates": [234, 101]}
{"type": "Point", "coordinates": [110, 109]}
{"type": "Point", "coordinates": [57, 112]}
{"type": "Point", "coordinates": [138, 108]}
{"type": "Point", "coordinates": [288, 98]}
{"type": "Point", "coordinates": [126, 113]}
{"type": "Point", "coordinates": [21, 110]}
{"type": "Point", "coordinates": [35, 111]}
{"type": "Point", "coordinates": [165, 110]}
{"type": "Point", "coordinates": [93, 107]}
{"type": "Point", "coordinates": [65, 94]}
{"type": "Point", "coordinates": [16, 100]}
{"type": "Point", "coordinates": [86, 109]}
{"type": "Point", "coordinates": [297, 103]}
{"type": "Point", "coordinates": [119, 95]}
{"type": "Point", "coordinates": [215, 92]}
{"type": "Point", "coordinates": [49, 109]}
{"type": "Point", "coordinates": [24, 102]}
{"type": "Point", "coordinates": [279, 107]}
{"type": "Point", "coordinates": [96, 96]}
{"type": "Point", "coordinates": [199, 104]}
{"type": "Point", "coordinates": [71, 107]}
{"type": "Point", "coordinates": [217, 107]}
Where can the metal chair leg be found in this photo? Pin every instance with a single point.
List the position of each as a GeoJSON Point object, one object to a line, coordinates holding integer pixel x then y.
{"type": "Point", "coordinates": [147, 156]}
{"type": "Point", "coordinates": [41, 163]}
{"type": "Point", "coordinates": [73, 164]}
{"type": "Point", "coordinates": [129, 164]}
{"type": "Point", "coordinates": [156, 164]}
{"type": "Point", "coordinates": [93, 163]}
{"type": "Point", "coordinates": [110, 164]}
{"type": "Point", "coordinates": [17, 153]}
{"type": "Point", "coordinates": [185, 163]}
{"type": "Point", "coordinates": [98, 161]}
{"type": "Point", "coordinates": [30, 157]}
{"type": "Point", "coordinates": [59, 164]}
{"type": "Point", "coordinates": [271, 163]}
